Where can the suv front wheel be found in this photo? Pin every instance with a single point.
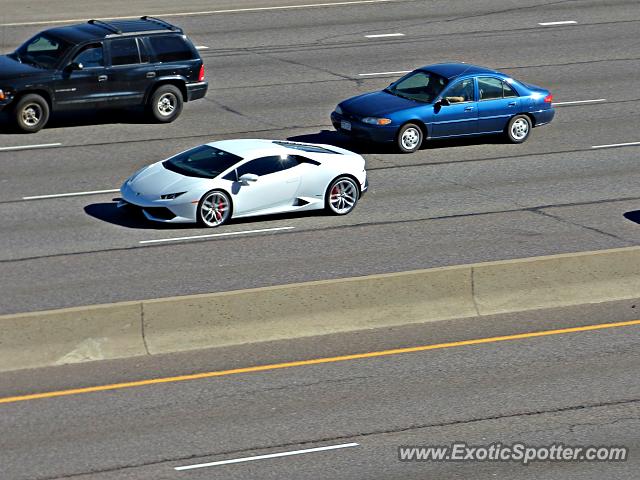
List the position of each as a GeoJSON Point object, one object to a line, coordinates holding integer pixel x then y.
{"type": "Point", "coordinates": [31, 113]}
{"type": "Point", "coordinates": [165, 104]}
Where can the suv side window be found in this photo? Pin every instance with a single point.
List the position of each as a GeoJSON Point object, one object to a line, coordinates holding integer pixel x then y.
{"type": "Point", "coordinates": [144, 51]}
{"type": "Point", "coordinates": [124, 51]}
{"type": "Point", "coordinates": [90, 56]}
{"type": "Point", "coordinates": [261, 166]}
{"type": "Point", "coordinates": [171, 48]}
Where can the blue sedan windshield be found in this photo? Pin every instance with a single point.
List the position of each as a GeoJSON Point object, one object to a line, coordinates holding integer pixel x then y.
{"type": "Point", "coordinates": [419, 85]}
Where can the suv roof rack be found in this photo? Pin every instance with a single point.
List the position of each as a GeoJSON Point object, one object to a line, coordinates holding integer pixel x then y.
{"type": "Point", "coordinates": [106, 25]}
{"type": "Point", "coordinates": [159, 22]}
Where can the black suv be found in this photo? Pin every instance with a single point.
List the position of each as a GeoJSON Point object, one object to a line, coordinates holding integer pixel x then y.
{"type": "Point", "coordinates": [98, 64]}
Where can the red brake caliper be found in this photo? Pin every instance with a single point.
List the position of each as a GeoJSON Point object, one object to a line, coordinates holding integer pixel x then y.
{"type": "Point", "coordinates": [218, 212]}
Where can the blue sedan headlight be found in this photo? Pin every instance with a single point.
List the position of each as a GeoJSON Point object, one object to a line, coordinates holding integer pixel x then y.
{"type": "Point", "coordinates": [376, 121]}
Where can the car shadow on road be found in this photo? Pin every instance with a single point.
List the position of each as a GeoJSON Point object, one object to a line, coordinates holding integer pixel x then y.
{"type": "Point", "coordinates": [128, 217]}
{"type": "Point", "coordinates": [78, 118]}
{"type": "Point", "coordinates": [362, 147]}
{"type": "Point", "coordinates": [634, 216]}
{"type": "Point", "coordinates": [135, 219]}
{"type": "Point", "coordinates": [329, 137]}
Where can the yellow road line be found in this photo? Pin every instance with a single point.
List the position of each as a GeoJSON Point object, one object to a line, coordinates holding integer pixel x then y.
{"type": "Point", "coordinates": [315, 361]}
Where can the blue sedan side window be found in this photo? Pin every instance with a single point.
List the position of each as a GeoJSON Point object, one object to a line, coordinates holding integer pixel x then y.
{"type": "Point", "coordinates": [461, 92]}
{"type": "Point", "coordinates": [508, 90]}
{"type": "Point", "coordinates": [490, 88]}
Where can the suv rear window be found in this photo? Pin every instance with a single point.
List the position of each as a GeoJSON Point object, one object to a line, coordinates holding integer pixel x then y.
{"type": "Point", "coordinates": [171, 48]}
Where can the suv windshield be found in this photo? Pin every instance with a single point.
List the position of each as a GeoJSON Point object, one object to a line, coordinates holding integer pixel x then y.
{"type": "Point", "coordinates": [43, 50]}
{"type": "Point", "coordinates": [419, 85]}
{"type": "Point", "coordinates": [203, 161]}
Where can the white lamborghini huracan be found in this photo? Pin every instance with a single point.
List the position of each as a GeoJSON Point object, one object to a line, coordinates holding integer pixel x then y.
{"type": "Point", "coordinates": [212, 183]}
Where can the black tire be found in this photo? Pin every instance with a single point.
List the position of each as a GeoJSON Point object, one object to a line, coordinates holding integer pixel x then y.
{"type": "Point", "coordinates": [31, 113]}
{"type": "Point", "coordinates": [341, 196]}
{"type": "Point", "coordinates": [209, 222]}
{"type": "Point", "coordinates": [410, 137]}
{"type": "Point", "coordinates": [518, 129]}
{"type": "Point", "coordinates": [165, 105]}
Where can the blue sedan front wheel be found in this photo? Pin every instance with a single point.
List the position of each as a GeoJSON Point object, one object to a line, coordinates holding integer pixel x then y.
{"type": "Point", "coordinates": [409, 138]}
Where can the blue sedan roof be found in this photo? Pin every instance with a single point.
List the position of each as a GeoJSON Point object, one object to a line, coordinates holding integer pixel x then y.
{"type": "Point", "coordinates": [451, 70]}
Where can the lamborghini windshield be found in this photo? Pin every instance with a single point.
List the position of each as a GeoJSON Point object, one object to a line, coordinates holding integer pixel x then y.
{"type": "Point", "coordinates": [203, 161]}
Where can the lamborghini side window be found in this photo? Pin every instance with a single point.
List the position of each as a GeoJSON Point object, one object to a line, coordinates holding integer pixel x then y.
{"type": "Point", "coordinates": [261, 166]}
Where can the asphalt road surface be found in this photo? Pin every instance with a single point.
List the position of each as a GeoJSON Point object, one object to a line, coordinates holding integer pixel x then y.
{"type": "Point", "coordinates": [278, 73]}
{"type": "Point", "coordinates": [578, 388]}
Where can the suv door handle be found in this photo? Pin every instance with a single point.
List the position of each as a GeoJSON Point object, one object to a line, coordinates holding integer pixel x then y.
{"type": "Point", "coordinates": [468, 109]}
{"type": "Point", "coordinates": [151, 74]}
{"type": "Point", "coordinates": [102, 78]}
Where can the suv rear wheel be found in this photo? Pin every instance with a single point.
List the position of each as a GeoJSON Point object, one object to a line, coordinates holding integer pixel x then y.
{"type": "Point", "coordinates": [31, 113]}
{"type": "Point", "coordinates": [165, 104]}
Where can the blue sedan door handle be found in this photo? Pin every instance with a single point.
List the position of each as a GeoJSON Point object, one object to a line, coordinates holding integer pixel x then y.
{"type": "Point", "coordinates": [468, 109]}
{"type": "Point", "coordinates": [511, 104]}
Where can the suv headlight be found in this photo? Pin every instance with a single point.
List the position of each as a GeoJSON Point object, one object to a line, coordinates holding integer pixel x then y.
{"type": "Point", "coordinates": [171, 196]}
{"type": "Point", "coordinates": [376, 121]}
{"type": "Point", "coordinates": [3, 95]}
{"type": "Point", "coordinates": [338, 110]}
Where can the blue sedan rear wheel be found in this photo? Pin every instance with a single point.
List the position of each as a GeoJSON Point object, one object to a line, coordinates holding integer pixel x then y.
{"type": "Point", "coordinates": [519, 129]}
{"type": "Point", "coordinates": [409, 138]}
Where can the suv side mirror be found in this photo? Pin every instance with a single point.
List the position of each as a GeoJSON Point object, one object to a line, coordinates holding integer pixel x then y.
{"type": "Point", "coordinates": [443, 102]}
{"type": "Point", "coordinates": [75, 66]}
{"type": "Point", "coordinates": [248, 177]}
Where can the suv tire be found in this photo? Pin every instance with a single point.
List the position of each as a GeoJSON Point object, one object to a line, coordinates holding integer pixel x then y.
{"type": "Point", "coordinates": [165, 104]}
{"type": "Point", "coordinates": [31, 113]}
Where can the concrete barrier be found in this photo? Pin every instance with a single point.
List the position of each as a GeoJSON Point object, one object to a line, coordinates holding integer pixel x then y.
{"type": "Point", "coordinates": [197, 321]}
{"type": "Point", "coordinates": [307, 309]}
{"type": "Point", "coordinates": [557, 281]}
{"type": "Point", "coordinates": [70, 335]}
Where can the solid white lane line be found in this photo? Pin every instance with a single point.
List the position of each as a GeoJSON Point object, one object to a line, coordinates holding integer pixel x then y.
{"type": "Point", "coordinates": [563, 22]}
{"type": "Point", "coordinates": [270, 455]}
{"type": "Point", "coordinates": [383, 73]}
{"type": "Point", "coordinates": [577, 102]}
{"type": "Point", "coordinates": [213, 235]}
{"type": "Point", "coordinates": [206, 12]}
{"type": "Point", "coordinates": [29, 147]}
{"type": "Point", "coordinates": [72, 194]}
{"type": "Point", "coordinates": [613, 145]}
{"type": "Point", "coordinates": [383, 35]}
{"type": "Point", "coordinates": [202, 47]}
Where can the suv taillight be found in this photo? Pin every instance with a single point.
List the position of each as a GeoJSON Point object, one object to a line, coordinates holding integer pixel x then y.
{"type": "Point", "coordinates": [548, 98]}
{"type": "Point", "coordinates": [201, 74]}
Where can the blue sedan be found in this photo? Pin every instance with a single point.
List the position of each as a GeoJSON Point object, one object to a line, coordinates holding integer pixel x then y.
{"type": "Point", "coordinates": [444, 101]}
